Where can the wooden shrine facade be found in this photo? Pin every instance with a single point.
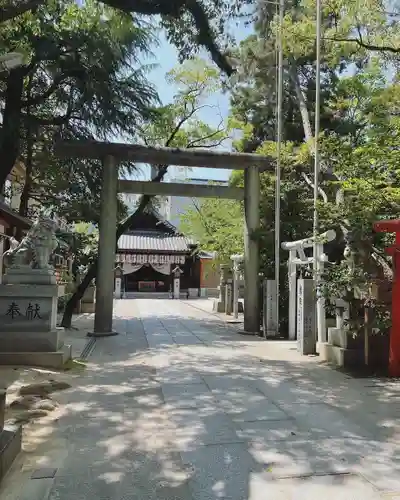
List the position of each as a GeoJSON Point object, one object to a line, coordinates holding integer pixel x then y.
{"type": "Point", "coordinates": [150, 252]}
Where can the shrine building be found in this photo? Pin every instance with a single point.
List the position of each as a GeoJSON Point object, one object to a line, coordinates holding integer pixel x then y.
{"type": "Point", "coordinates": [149, 253]}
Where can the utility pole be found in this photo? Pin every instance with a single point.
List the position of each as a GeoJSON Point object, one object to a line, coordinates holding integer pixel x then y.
{"type": "Point", "coordinates": [316, 246]}
{"type": "Point", "coordinates": [278, 161]}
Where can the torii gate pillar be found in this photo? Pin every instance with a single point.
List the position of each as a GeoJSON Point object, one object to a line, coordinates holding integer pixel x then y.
{"type": "Point", "coordinates": [393, 226]}
{"type": "Point", "coordinates": [251, 250]}
{"type": "Point", "coordinates": [107, 244]}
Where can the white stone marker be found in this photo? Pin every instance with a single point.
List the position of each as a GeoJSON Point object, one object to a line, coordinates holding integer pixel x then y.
{"type": "Point", "coordinates": [177, 281]}
{"type": "Point", "coordinates": [292, 278]}
{"type": "Point", "coordinates": [177, 287]}
{"type": "Point", "coordinates": [306, 336]}
{"type": "Point", "coordinates": [237, 259]}
{"type": "Point", "coordinates": [228, 297]}
{"type": "Point", "coordinates": [270, 326]}
{"type": "Point", "coordinates": [117, 292]}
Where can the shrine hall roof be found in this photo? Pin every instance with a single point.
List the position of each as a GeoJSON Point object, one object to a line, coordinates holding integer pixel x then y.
{"type": "Point", "coordinates": [154, 242]}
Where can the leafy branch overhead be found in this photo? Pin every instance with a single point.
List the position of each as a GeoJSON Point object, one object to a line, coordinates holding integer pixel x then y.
{"type": "Point", "coordinates": [66, 93]}
{"type": "Point", "coordinates": [190, 24]}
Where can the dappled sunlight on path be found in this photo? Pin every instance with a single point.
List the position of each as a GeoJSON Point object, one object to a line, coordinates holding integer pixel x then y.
{"type": "Point", "coordinates": [178, 406]}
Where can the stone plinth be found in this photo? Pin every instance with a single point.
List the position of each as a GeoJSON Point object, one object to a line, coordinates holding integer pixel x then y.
{"type": "Point", "coordinates": [343, 349]}
{"type": "Point", "coordinates": [28, 321]}
{"type": "Point", "coordinates": [10, 439]}
{"type": "Point", "coordinates": [341, 357]}
{"type": "Point", "coordinates": [341, 337]}
{"type": "Point", "coordinates": [28, 308]}
{"type": "Point", "coordinates": [25, 275]}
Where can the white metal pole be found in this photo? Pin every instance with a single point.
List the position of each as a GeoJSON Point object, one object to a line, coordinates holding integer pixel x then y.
{"type": "Point", "coordinates": [316, 246]}
{"type": "Point", "coordinates": [292, 277]}
{"type": "Point", "coordinates": [278, 160]}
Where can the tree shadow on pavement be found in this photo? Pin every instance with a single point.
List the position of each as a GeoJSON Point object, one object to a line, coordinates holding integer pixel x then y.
{"type": "Point", "coordinates": [183, 408]}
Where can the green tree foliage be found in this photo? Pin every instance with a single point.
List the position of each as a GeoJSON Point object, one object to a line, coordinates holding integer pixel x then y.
{"type": "Point", "coordinates": [189, 24]}
{"type": "Point", "coordinates": [217, 225]}
{"type": "Point", "coordinates": [359, 122]}
{"type": "Point", "coordinates": [83, 82]}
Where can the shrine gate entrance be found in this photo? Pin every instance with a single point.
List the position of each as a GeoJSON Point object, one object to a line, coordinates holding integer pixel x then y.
{"type": "Point", "coordinates": [111, 154]}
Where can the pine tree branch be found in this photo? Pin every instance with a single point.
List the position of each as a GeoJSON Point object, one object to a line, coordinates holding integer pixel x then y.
{"type": "Point", "coordinates": [174, 9]}
{"type": "Point", "coordinates": [12, 10]}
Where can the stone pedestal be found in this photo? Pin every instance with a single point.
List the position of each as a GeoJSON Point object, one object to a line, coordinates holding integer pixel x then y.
{"type": "Point", "coordinates": [27, 276]}
{"type": "Point", "coordinates": [306, 334]}
{"type": "Point", "coordinates": [343, 349]}
{"type": "Point", "coordinates": [10, 439]}
{"type": "Point", "coordinates": [28, 317]}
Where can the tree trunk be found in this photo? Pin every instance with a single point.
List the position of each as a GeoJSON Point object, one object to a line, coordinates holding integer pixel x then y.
{"type": "Point", "coordinates": [305, 116]}
{"type": "Point", "coordinates": [24, 199]}
{"type": "Point", "coordinates": [92, 271]}
{"type": "Point", "coordinates": [26, 191]}
{"type": "Point", "coordinates": [66, 321]}
{"type": "Point", "coordinates": [10, 134]}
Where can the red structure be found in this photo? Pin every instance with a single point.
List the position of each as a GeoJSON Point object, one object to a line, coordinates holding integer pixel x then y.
{"type": "Point", "coordinates": [393, 226]}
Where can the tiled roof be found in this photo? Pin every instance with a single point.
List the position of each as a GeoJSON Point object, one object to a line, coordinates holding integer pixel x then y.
{"type": "Point", "coordinates": [154, 242]}
{"type": "Point", "coordinates": [206, 255]}
{"type": "Point", "coordinates": [13, 218]}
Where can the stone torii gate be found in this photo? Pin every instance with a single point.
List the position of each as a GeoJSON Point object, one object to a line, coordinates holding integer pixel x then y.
{"type": "Point", "coordinates": [112, 153]}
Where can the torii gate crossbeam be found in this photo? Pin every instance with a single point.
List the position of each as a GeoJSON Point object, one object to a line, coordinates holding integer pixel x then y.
{"type": "Point", "coordinates": [111, 154]}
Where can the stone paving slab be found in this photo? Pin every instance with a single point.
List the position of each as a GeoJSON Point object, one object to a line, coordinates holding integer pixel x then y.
{"type": "Point", "coordinates": [296, 457]}
{"type": "Point", "coordinates": [173, 375]}
{"type": "Point", "coordinates": [271, 430]}
{"type": "Point", "coordinates": [247, 405]}
{"type": "Point", "coordinates": [178, 406]}
{"type": "Point", "coordinates": [188, 395]}
{"type": "Point", "coordinates": [325, 421]}
{"type": "Point", "coordinates": [327, 487]}
{"type": "Point", "coordinates": [203, 426]}
{"type": "Point", "coordinates": [220, 471]}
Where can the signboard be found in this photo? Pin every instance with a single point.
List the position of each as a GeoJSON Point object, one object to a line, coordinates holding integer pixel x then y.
{"type": "Point", "coordinates": [149, 259]}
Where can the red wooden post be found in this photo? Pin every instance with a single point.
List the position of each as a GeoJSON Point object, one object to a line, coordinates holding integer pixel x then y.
{"type": "Point", "coordinates": [393, 226]}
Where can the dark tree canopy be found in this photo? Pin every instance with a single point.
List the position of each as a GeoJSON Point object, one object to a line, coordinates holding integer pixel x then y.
{"type": "Point", "coordinates": [178, 17]}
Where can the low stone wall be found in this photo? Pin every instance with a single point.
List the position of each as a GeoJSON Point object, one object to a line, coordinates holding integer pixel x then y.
{"type": "Point", "coordinates": [10, 439]}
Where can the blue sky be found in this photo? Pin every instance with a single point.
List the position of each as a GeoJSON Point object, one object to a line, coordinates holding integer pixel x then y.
{"type": "Point", "coordinates": [166, 59]}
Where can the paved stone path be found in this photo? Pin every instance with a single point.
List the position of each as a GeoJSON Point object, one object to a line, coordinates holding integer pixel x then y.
{"type": "Point", "coordinates": [180, 407]}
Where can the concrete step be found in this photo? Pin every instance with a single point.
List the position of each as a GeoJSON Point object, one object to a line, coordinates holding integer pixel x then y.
{"type": "Point", "coordinates": [55, 359]}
